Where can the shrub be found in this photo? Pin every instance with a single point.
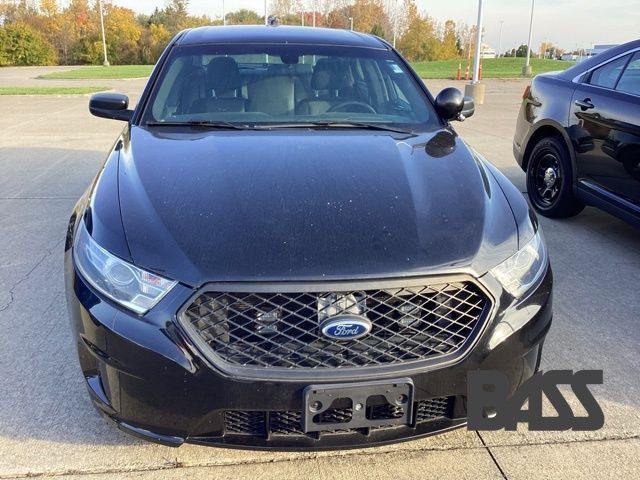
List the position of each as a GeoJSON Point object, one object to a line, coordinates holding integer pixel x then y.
{"type": "Point", "coordinates": [22, 45]}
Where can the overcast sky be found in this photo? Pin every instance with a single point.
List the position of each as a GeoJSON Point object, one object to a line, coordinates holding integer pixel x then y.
{"type": "Point", "coordinates": [567, 23]}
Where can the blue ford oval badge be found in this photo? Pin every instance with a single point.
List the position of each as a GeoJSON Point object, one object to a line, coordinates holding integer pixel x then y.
{"type": "Point", "coordinates": [345, 327]}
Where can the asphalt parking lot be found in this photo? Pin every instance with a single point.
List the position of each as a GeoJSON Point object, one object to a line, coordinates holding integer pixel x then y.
{"type": "Point", "coordinates": [50, 149]}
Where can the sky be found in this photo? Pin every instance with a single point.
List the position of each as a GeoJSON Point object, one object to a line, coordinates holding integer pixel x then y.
{"type": "Point", "coordinates": [569, 24]}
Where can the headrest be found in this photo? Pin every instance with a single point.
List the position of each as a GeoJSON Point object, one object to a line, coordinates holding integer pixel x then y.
{"type": "Point", "coordinates": [223, 75]}
{"type": "Point", "coordinates": [330, 74]}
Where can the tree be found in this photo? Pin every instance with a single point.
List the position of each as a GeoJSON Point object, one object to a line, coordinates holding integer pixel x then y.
{"type": "Point", "coordinates": [370, 14]}
{"type": "Point", "coordinates": [521, 51]}
{"type": "Point", "coordinates": [450, 41]}
{"type": "Point", "coordinates": [419, 40]}
{"type": "Point", "coordinates": [21, 45]}
{"type": "Point", "coordinates": [285, 8]}
{"type": "Point", "coordinates": [153, 41]}
{"type": "Point", "coordinates": [244, 17]}
{"type": "Point", "coordinates": [122, 33]}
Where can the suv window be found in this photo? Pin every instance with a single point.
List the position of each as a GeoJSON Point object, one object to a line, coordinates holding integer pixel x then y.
{"type": "Point", "coordinates": [607, 75]}
{"type": "Point", "coordinates": [253, 85]}
{"type": "Point", "coordinates": [630, 80]}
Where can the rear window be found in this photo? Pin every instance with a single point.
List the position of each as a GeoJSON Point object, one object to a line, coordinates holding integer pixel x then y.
{"type": "Point", "coordinates": [630, 80]}
{"type": "Point", "coordinates": [269, 84]}
{"type": "Point", "coordinates": [607, 75]}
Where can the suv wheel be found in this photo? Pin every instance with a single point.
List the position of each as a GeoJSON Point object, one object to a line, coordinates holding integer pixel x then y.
{"type": "Point", "coordinates": [549, 180]}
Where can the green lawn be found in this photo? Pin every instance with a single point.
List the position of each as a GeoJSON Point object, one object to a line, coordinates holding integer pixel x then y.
{"type": "Point", "coordinates": [99, 72]}
{"type": "Point", "coordinates": [50, 90]}
{"type": "Point", "coordinates": [491, 67]}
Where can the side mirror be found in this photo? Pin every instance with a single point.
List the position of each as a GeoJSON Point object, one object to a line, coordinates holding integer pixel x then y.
{"type": "Point", "coordinates": [110, 105]}
{"type": "Point", "coordinates": [451, 104]}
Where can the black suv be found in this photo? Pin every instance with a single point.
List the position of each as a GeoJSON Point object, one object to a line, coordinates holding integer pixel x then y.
{"type": "Point", "coordinates": [290, 247]}
{"type": "Point", "coordinates": [578, 136]}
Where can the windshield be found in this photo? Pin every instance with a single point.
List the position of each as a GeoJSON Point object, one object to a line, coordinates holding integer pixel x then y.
{"type": "Point", "coordinates": [288, 85]}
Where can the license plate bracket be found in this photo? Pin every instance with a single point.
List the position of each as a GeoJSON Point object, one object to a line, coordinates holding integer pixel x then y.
{"type": "Point", "coordinates": [320, 399]}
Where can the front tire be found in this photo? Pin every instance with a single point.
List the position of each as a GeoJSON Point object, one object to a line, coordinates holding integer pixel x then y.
{"type": "Point", "coordinates": [550, 180]}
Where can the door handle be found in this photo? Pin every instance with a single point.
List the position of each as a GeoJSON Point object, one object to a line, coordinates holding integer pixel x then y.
{"type": "Point", "coordinates": [585, 104]}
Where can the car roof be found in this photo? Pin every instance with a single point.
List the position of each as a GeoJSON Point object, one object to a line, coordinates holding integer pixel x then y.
{"type": "Point", "coordinates": [596, 60]}
{"type": "Point", "coordinates": [279, 34]}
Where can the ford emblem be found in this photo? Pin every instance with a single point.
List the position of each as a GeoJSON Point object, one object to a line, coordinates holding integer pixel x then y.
{"type": "Point", "coordinates": [345, 327]}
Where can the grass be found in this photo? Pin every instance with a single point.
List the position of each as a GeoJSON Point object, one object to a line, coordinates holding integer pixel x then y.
{"type": "Point", "coordinates": [50, 90]}
{"type": "Point", "coordinates": [491, 67]}
{"type": "Point", "coordinates": [100, 72]}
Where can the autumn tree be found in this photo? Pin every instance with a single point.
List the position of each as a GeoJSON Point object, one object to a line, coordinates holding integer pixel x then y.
{"type": "Point", "coordinates": [244, 17]}
{"type": "Point", "coordinates": [449, 41]}
{"type": "Point", "coordinates": [20, 45]}
{"type": "Point", "coordinates": [153, 41]}
{"type": "Point", "coordinates": [370, 16]}
{"type": "Point", "coordinates": [414, 42]}
{"type": "Point", "coordinates": [285, 8]}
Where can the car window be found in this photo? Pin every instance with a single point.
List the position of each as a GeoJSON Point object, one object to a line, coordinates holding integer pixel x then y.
{"type": "Point", "coordinates": [607, 75]}
{"type": "Point", "coordinates": [253, 84]}
{"type": "Point", "coordinates": [630, 80]}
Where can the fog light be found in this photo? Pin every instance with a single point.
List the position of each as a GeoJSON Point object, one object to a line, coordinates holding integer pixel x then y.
{"type": "Point", "coordinates": [411, 314]}
{"type": "Point", "coordinates": [267, 322]}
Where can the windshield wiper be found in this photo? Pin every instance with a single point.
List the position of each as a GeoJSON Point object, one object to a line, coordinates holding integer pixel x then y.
{"type": "Point", "coordinates": [342, 124]}
{"type": "Point", "coordinates": [203, 124]}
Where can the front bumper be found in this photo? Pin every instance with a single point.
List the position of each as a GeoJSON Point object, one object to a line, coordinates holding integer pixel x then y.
{"type": "Point", "coordinates": [147, 376]}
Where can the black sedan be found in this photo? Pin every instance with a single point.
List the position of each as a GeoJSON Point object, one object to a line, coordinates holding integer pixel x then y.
{"type": "Point", "coordinates": [290, 247]}
{"type": "Point", "coordinates": [578, 136]}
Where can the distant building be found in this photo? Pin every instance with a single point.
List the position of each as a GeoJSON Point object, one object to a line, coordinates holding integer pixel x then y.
{"type": "Point", "coordinates": [597, 49]}
{"type": "Point", "coordinates": [584, 53]}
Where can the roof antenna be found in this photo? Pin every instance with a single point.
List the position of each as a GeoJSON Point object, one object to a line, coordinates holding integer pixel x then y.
{"type": "Point", "coordinates": [273, 21]}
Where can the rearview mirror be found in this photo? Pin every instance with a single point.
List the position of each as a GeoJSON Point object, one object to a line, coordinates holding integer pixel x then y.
{"type": "Point", "coordinates": [451, 104]}
{"type": "Point", "coordinates": [110, 105]}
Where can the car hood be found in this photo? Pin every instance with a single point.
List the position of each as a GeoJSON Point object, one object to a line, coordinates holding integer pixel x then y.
{"type": "Point", "coordinates": [294, 205]}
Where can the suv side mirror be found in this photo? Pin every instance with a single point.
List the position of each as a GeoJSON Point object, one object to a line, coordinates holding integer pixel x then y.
{"type": "Point", "coordinates": [451, 104]}
{"type": "Point", "coordinates": [110, 105]}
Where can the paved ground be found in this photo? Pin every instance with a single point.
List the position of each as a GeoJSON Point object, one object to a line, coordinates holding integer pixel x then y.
{"type": "Point", "coordinates": [50, 148]}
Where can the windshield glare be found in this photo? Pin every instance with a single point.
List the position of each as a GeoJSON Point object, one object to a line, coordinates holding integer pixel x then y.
{"type": "Point", "coordinates": [288, 84]}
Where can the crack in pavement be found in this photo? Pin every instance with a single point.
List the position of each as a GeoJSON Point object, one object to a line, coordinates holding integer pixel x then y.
{"type": "Point", "coordinates": [28, 274]}
{"type": "Point", "coordinates": [493, 458]}
{"type": "Point", "coordinates": [176, 464]}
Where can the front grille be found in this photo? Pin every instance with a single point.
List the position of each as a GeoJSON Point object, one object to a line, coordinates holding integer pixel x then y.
{"type": "Point", "coordinates": [289, 422]}
{"type": "Point", "coordinates": [282, 330]}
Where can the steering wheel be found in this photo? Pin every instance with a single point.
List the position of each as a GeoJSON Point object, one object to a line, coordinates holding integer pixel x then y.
{"type": "Point", "coordinates": [342, 107]}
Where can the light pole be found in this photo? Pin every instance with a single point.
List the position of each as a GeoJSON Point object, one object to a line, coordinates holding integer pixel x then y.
{"type": "Point", "coordinates": [476, 58]}
{"type": "Point", "coordinates": [395, 22]}
{"type": "Point", "coordinates": [224, 14]}
{"type": "Point", "coordinates": [500, 38]}
{"type": "Point", "coordinates": [351, 23]}
{"type": "Point", "coordinates": [104, 38]}
{"type": "Point", "coordinates": [526, 70]}
{"type": "Point", "coordinates": [476, 89]}
{"type": "Point", "coordinates": [314, 13]}
{"type": "Point", "coordinates": [266, 18]}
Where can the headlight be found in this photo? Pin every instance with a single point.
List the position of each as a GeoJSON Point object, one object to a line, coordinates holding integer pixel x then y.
{"type": "Point", "coordinates": [122, 282]}
{"type": "Point", "coordinates": [520, 272]}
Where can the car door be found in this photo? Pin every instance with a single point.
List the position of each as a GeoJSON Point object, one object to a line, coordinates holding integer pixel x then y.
{"type": "Point", "coordinates": [605, 129]}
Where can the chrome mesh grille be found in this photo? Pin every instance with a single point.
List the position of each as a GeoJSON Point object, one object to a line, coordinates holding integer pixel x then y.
{"type": "Point", "coordinates": [282, 330]}
{"type": "Point", "coordinates": [289, 422]}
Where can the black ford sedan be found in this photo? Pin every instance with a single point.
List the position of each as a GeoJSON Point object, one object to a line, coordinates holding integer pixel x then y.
{"type": "Point", "coordinates": [290, 247]}
{"type": "Point", "coordinates": [578, 136]}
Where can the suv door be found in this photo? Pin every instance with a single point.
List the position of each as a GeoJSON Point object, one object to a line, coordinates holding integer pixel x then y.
{"type": "Point", "coordinates": [605, 127]}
